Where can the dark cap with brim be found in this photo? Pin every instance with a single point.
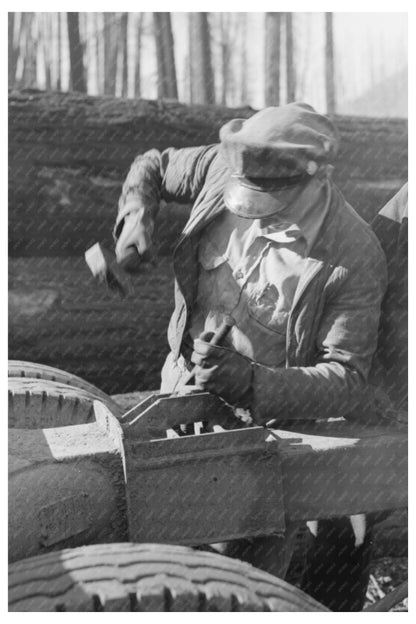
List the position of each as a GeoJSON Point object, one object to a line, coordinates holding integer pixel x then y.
{"type": "Point", "coordinates": [279, 142]}
{"type": "Point", "coordinates": [272, 155]}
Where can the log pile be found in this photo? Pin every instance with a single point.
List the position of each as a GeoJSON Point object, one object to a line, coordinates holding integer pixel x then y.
{"type": "Point", "coordinates": [68, 156]}
{"type": "Point", "coordinates": [69, 153]}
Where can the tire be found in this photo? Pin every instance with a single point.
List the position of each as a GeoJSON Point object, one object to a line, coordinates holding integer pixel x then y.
{"type": "Point", "coordinates": [18, 368]}
{"type": "Point", "coordinates": [41, 404]}
{"type": "Point", "coordinates": [147, 577]}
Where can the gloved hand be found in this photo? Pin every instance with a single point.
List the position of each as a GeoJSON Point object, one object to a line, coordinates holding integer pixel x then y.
{"type": "Point", "coordinates": [222, 371]}
{"type": "Point", "coordinates": [136, 234]}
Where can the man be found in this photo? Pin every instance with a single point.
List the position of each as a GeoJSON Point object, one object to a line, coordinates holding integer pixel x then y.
{"type": "Point", "coordinates": [390, 370]}
{"type": "Point", "coordinates": [271, 242]}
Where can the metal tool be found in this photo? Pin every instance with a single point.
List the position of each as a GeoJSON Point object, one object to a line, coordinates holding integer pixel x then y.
{"type": "Point", "coordinates": [105, 267]}
{"type": "Point", "coordinates": [221, 333]}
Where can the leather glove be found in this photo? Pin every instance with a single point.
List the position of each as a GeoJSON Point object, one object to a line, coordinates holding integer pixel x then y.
{"type": "Point", "coordinates": [222, 371]}
{"type": "Point", "coordinates": [136, 234]}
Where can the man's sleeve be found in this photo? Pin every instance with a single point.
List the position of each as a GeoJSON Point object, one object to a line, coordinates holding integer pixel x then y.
{"type": "Point", "coordinates": [173, 175]}
{"type": "Point", "coordinates": [345, 345]}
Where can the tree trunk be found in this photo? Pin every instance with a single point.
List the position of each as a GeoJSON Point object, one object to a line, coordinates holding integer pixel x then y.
{"type": "Point", "coordinates": [99, 52]}
{"type": "Point", "coordinates": [75, 54]}
{"type": "Point", "coordinates": [225, 56]}
{"type": "Point", "coordinates": [124, 22]}
{"type": "Point", "coordinates": [138, 60]}
{"type": "Point", "coordinates": [84, 36]}
{"type": "Point", "coordinates": [329, 64]}
{"type": "Point", "coordinates": [110, 53]}
{"type": "Point", "coordinates": [290, 65]}
{"type": "Point", "coordinates": [272, 59]}
{"type": "Point", "coordinates": [12, 51]}
{"type": "Point", "coordinates": [243, 76]}
{"type": "Point", "coordinates": [170, 58]}
{"type": "Point", "coordinates": [162, 79]}
{"type": "Point", "coordinates": [30, 51]}
{"type": "Point", "coordinates": [59, 53]}
{"type": "Point", "coordinates": [20, 48]}
{"type": "Point", "coordinates": [166, 72]}
{"type": "Point", "coordinates": [202, 77]}
{"type": "Point", "coordinates": [46, 38]}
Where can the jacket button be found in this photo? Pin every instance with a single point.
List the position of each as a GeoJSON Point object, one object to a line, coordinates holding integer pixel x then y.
{"type": "Point", "coordinates": [239, 274]}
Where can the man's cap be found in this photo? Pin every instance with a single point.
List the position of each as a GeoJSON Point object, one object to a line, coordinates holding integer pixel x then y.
{"type": "Point", "coordinates": [272, 154]}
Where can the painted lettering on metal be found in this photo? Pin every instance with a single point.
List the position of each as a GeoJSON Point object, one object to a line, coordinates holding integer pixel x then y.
{"type": "Point", "coordinates": [61, 520]}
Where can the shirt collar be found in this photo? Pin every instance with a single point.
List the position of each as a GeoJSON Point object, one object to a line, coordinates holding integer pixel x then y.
{"type": "Point", "coordinates": [303, 218]}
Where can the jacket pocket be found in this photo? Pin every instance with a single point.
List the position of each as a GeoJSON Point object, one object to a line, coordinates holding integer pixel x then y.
{"type": "Point", "coordinates": [265, 308]}
{"type": "Point", "coordinates": [217, 288]}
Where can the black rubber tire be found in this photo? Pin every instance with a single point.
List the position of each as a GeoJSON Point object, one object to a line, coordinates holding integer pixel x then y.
{"type": "Point", "coordinates": [147, 577]}
{"type": "Point", "coordinates": [41, 404]}
{"type": "Point", "coordinates": [19, 368]}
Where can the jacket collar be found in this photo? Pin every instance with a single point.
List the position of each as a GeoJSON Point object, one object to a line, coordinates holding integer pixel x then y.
{"type": "Point", "coordinates": [322, 253]}
{"type": "Point", "coordinates": [200, 217]}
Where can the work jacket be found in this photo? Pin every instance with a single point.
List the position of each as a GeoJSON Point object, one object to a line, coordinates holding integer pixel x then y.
{"type": "Point", "coordinates": [391, 370]}
{"type": "Point", "coordinates": [333, 323]}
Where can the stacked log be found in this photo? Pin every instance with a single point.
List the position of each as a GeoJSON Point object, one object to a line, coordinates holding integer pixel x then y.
{"type": "Point", "coordinates": [69, 154]}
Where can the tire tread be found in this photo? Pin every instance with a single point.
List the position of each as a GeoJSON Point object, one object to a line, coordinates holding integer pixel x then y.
{"type": "Point", "coordinates": [31, 370]}
{"type": "Point", "coordinates": [147, 577]}
{"type": "Point", "coordinates": [41, 403]}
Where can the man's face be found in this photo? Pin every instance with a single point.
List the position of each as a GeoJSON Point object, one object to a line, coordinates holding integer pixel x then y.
{"type": "Point", "coordinates": [256, 202]}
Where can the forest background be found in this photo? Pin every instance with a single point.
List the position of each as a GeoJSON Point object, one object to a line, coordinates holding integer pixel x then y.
{"type": "Point", "coordinates": [349, 63]}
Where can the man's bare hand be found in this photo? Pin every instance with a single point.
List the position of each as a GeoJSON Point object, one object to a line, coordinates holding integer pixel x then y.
{"type": "Point", "coordinates": [134, 245]}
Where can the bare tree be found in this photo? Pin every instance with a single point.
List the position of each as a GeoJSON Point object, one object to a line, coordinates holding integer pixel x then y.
{"type": "Point", "coordinates": [13, 51]}
{"type": "Point", "coordinates": [138, 54]}
{"type": "Point", "coordinates": [124, 23]}
{"type": "Point", "coordinates": [162, 79]}
{"type": "Point", "coordinates": [201, 74]}
{"type": "Point", "coordinates": [272, 58]}
{"type": "Point", "coordinates": [59, 52]}
{"type": "Point", "coordinates": [76, 63]}
{"type": "Point", "coordinates": [303, 63]}
{"type": "Point", "coordinates": [45, 37]}
{"type": "Point", "coordinates": [110, 53]}
{"type": "Point", "coordinates": [225, 43]}
{"type": "Point", "coordinates": [99, 51]}
{"type": "Point", "coordinates": [166, 71]}
{"type": "Point", "coordinates": [85, 45]}
{"type": "Point", "coordinates": [28, 45]}
{"type": "Point", "coordinates": [170, 57]}
{"type": "Point", "coordinates": [243, 59]}
{"type": "Point", "coordinates": [290, 65]}
{"type": "Point", "coordinates": [329, 64]}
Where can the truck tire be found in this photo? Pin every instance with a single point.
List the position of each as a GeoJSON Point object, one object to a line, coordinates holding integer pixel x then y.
{"type": "Point", "coordinates": [18, 368]}
{"type": "Point", "coordinates": [41, 404]}
{"type": "Point", "coordinates": [147, 577]}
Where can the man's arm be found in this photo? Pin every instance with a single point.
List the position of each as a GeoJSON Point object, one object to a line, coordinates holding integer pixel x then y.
{"type": "Point", "coordinates": [172, 175]}
{"type": "Point", "coordinates": [346, 342]}
{"type": "Point", "coordinates": [336, 384]}
{"type": "Point", "coordinates": [391, 370]}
